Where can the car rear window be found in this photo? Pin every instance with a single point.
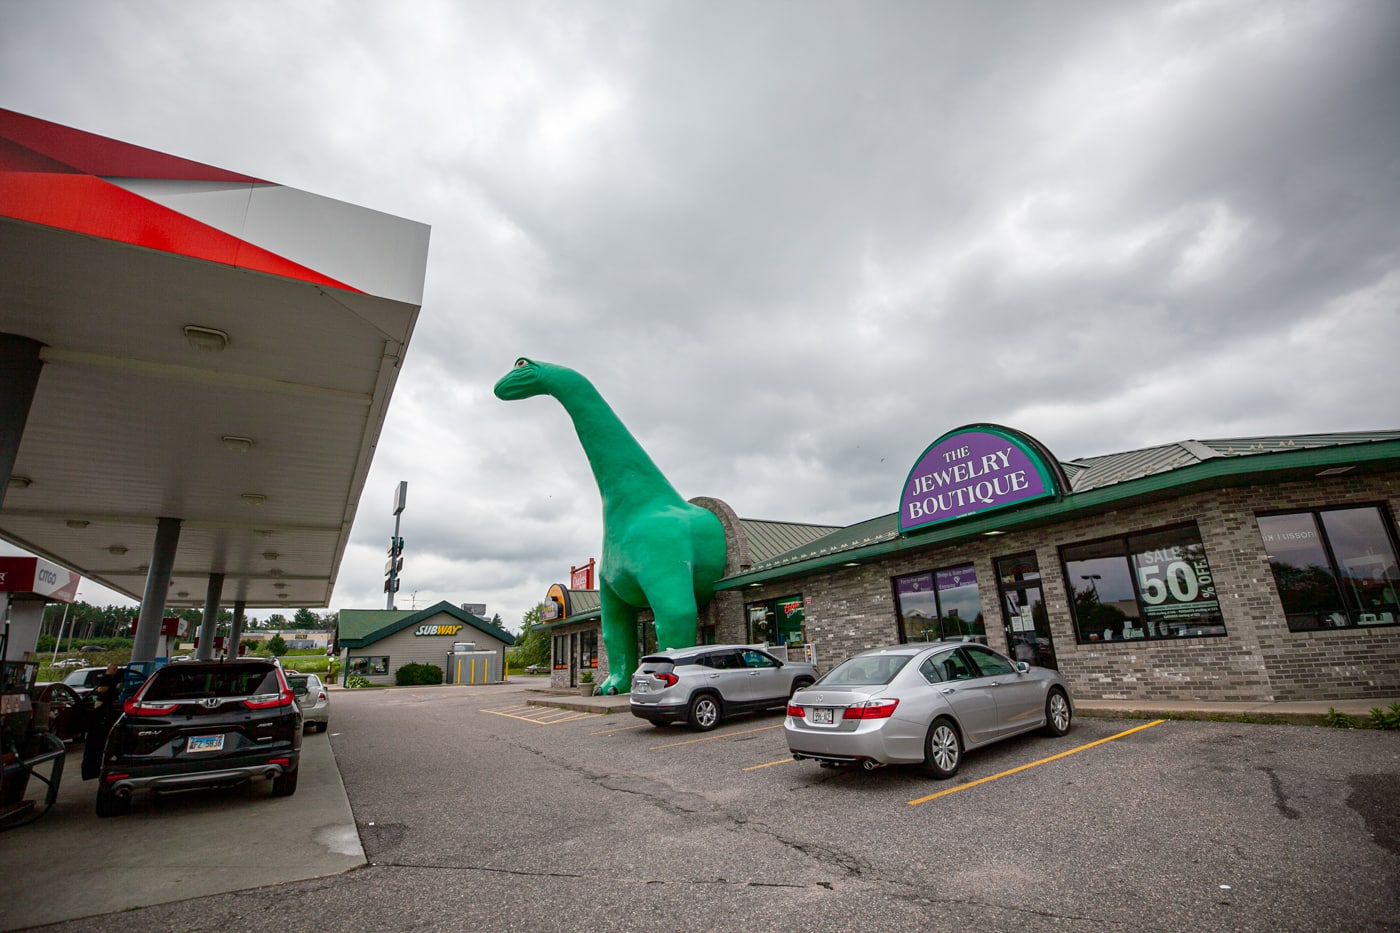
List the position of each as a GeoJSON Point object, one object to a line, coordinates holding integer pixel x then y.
{"type": "Point", "coordinates": [864, 671]}
{"type": "Point", "coordinates": [653, 664]}
{"type": "Point", "coordinates": [299, 683]}
{"type": "Point", "coordinates": [234, 680]}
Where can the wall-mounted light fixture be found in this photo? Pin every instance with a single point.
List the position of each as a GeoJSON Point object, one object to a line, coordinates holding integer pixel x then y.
{"type": "Point", "coordinates": [206, 339]}
{"type": "Point", "coordinates": [235, 444]}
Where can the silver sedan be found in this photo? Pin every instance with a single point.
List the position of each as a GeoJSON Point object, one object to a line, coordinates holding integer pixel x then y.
{"type": "Point", "coordinates": [923, 704]}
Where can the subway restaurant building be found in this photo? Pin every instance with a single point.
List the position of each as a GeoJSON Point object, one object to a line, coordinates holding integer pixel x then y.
{"type": "Point", "coordinates": [1250, 569]}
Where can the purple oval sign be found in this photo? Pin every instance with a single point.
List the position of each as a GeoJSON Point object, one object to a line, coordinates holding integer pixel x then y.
{"type": "Point", "coordinates": [972, 470]}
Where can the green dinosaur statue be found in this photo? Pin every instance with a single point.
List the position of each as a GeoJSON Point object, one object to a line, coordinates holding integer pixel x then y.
{"type": "Point", "coordinates": [658, 550]}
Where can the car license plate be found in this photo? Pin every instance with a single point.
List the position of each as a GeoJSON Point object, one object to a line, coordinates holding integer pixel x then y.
{"type": "Point", "coordinates": [821, 715]}
{"type": "Point", "coordinates": [205, 743]}
{"type": "Point", "coordinates": [640, 687]}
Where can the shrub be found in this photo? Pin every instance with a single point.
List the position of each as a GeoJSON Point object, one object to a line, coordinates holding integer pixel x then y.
{"type": "Point", "coordinates": [357, 680]}
{"type": "Point", "coordinates": [415, 674]}
{"type": "Point", "coordinates": [1385, 719]}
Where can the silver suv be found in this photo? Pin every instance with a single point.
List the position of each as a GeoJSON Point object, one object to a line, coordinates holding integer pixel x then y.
{"type": "Point", "coordinates": [700, 685]}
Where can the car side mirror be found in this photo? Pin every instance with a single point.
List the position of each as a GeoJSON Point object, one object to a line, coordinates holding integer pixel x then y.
{"type": "Point", "coordinates": [1022, 667]}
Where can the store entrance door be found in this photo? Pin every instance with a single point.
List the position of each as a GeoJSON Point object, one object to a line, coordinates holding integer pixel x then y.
{"type": "Point", "coordinates": [1024, 617]}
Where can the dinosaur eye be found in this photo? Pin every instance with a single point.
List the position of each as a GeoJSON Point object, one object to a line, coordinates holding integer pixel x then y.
{"type": "Point", "coordinates": [521, 362]}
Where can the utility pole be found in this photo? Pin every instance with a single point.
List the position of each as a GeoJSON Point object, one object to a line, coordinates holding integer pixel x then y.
{"type": "Point", "coordinates": [395, 564]}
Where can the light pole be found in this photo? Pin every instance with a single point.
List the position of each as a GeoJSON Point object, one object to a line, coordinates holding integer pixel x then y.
{"type": "Point", "coordinates": [59, 640]}
{"type": "Point", "coordinates": [1091, 577]}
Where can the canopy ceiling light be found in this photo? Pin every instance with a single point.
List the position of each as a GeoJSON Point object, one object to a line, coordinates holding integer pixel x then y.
{"type": "Point", "coordinates": [206, 339]}
{"type": "Point", "coordinates": [270, 555]}
{"type": "Point", "coordinates": [235, 444]}
{"type": "Point", "coordinates": [254, 498]}
{"type": "Point", "coordinates": [20, 482]}
{"type": "Point", "coordinates": [117, 550]}
{"type": "Point", "coordinates": [77, 523]}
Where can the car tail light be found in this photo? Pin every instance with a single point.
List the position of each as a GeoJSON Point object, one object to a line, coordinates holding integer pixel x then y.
{"type": "Point", "coordinates": [871, 709]}
{"type": "Point", "coordinates": [136, 707]}
{"type": "Point", "coordinates": [271, 700]}
{"type": "Point", "coordinates": [320, 695]}
{"type": "Point", "coordinates": [284, 762]}
{"type": "Point", "coordinates": [669, 680]}
{"type": "Point", "coordinates": [794, 710]}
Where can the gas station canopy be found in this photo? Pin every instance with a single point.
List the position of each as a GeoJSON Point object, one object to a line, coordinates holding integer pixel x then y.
{"type": "Point", "coordinates": [214, 349]}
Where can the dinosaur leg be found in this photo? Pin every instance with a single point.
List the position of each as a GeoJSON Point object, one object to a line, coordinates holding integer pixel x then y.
{"type": "Point", "coordinates": [673, 601]}
{"type": "Point", "coordinates": [619, 641]}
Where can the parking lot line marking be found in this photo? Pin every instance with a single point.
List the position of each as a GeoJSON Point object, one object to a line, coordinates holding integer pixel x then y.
{"type": "Point", "coordinates": [711, 738]}
{"type": "Point", "coordinates": [540, 720]}
{"type": "Point", "coordinates": [781, 761]}
{"type": "Point", "coordinates": [645, 725]}
{"type": "Point", "coordinates": [1072, 751]}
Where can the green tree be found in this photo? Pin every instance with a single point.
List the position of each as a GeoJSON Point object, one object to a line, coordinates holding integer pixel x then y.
{"type": "Point", "coordinates": [277, 621]}
{"type": "Point", "coordinates": [305, 618]}
{"type": "Point", "coordinates": [276, 646]}
{"type": "Point", "coordinates": [532, 644]}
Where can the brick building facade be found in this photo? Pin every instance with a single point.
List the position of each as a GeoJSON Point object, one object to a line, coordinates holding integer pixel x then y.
{"type": "Point", "coordinates": [1338, 637]}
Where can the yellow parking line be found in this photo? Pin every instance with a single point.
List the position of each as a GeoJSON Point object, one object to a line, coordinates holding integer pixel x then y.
{"type": "Point", "coordinates": [1072, 751]}
{"type": "Point", "coordinates": [711, 738]}
{"type": "Point", "coordinates": [783, 761]}
{"type": "Point", "coordinates": [541, 721]}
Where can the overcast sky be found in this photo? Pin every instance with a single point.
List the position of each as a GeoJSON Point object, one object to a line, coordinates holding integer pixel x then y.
{"type": "Point", "coordinates": [793, 243]}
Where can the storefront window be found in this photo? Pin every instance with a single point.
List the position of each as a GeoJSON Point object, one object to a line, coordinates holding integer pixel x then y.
{"type": "Point", "coordinates": [776, 621]}
{"type": "Point", "coordinates": [1146, 586]}
{"type": "Point", "coordinates": [1334, 568]}
{"type": "Point", "coordinates": [561, 652]}
{"type": "Point", "coordinates": [588, 650]}
{"type": "Point", "coordinates": [369, 666]}
{"type": "Point", "coordinates": [940, 604]}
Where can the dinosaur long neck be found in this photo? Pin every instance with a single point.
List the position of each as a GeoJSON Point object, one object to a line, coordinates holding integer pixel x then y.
{"type": "Point", "coordinates": [625, 474]}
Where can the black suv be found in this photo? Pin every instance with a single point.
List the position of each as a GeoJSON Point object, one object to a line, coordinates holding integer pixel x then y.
{"type": "Point", "coordinates": [202, 723]}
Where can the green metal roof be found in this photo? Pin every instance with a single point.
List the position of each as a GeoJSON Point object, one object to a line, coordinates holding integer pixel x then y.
{"type": "Point", "coordinates": [1101, 483]}
{"type": "Point", "coordinates": [361, 627]}
{"type": "Point", "coordinates": [769, 539]}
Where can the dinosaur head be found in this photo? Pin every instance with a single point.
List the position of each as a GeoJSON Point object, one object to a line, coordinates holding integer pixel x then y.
{"type": "Point", "coordinates": [525, 380]}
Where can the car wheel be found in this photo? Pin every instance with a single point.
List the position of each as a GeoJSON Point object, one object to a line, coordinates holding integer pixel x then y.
{"type": "Point", "coordinates": [109, 803]}
{"type": "Point", "coordinates": [1058, 714]}
{"type": "Point", "coordinates": [704, 712]}
{"type": "Point", "coordinates": [801, 683]}
{"type": "Point", "coordinates": [322, 726]}
{"type": "Point", "coordinates": [285, 785]}
{"type": "Point", "coordinates": [942, 749]}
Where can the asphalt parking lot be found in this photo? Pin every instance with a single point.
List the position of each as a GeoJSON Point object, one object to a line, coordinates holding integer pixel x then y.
{"type": "Point", "coordinates": [477, 810]}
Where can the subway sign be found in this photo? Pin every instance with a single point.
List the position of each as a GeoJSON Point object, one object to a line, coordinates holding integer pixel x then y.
{"type": "Point", "coordinates": [975, 469]}
{"type": "Point", "coordinates": [437, 630]}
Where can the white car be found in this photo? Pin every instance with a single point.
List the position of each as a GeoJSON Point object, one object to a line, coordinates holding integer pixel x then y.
{"type": "Point", "coordinates": [313, 698]}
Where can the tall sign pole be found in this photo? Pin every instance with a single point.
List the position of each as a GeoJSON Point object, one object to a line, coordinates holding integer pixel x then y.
{"type": "Point", "coordinates": [395, 564]}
